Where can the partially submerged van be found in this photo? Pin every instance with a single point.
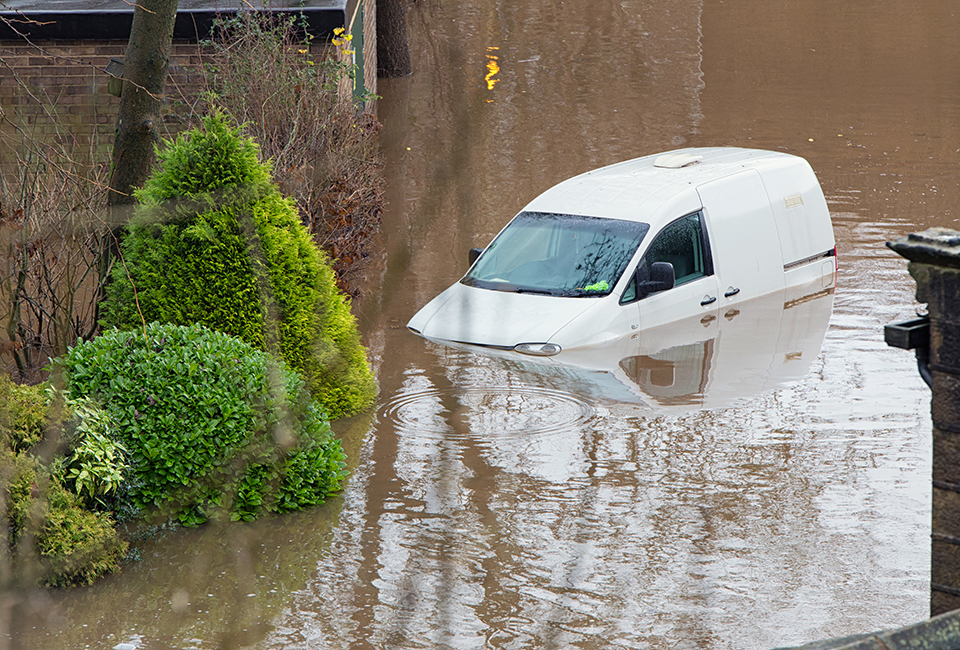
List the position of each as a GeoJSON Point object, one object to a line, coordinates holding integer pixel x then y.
{"type": "Point", "coordinates": [694, 363]}
{"type": "Point", "coordinates": [639, 244]}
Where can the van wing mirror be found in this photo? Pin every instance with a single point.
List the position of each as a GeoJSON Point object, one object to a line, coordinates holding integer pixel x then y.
{"type": "Point", "coordinates": [474, 254]}
{"type": "Point", "coordinates": [662, 278]}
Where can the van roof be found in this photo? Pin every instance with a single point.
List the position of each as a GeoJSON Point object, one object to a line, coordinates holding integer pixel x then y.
{"type": "Point", "coordinates": [656, 188]}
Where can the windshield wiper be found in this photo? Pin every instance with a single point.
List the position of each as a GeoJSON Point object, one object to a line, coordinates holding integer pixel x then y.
{"type": "Point", "coordinates": [544, 292]}
{"type": "Point", "coordinates": [563, 293]}
{"type": "Point", "coordinates": [509, 287]}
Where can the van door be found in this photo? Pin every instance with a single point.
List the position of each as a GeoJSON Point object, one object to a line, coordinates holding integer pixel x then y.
{"type": "Point", "coordinates": [743, 235]}
{"type": "Point", "coordinates": [684, 244]}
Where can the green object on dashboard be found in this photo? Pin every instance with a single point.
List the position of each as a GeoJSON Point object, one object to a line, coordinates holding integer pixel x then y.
{"type": "Point", "coordinates": [597, 286]}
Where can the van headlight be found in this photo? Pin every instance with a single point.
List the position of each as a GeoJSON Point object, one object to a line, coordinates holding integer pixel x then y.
{"type": "Point", "coordinates": [537, 349]}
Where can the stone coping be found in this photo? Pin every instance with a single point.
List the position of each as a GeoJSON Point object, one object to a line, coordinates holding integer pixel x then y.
{"type": "Point", "coordinates": [938, 633]}
{"type": "Point", "coordinates": [938, 246]}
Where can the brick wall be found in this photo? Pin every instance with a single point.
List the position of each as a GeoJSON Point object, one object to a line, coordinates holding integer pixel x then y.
{"type": "Point", "coordinates": [56, 91]}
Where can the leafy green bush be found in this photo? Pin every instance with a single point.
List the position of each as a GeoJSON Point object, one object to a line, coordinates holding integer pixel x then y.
{"type": "Point", "coordinates": [297, 479]}
{"type": "Point", "coordinates": [95, 464]}
{"type": "Point", "coordinates": [215, 243]}
{"type": "Point", "coordinates": [53, 539]}
{"type": "Point", "coordinates": [23, 411]}
{"type": "Point", "coordinates": [76, 546]}
{"type": "Point", "coordinates": [208, 422]}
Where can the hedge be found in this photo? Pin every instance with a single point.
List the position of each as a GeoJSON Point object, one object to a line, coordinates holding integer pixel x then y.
{"type": "Point", "coordinates": [214, 242]}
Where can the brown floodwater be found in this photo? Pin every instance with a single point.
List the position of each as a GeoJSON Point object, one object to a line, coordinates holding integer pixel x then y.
{"type": "Point", "coordinates": [761, 484]}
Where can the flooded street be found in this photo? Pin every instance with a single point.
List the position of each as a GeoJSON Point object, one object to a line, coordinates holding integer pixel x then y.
{"type": "Point", "coordinates": [765, 486]}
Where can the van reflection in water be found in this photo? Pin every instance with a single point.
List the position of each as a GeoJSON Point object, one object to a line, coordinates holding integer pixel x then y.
{"type": "Point", "coordinates": [761, 345]}
{"type": "Point", "coordinates": [705, 362]}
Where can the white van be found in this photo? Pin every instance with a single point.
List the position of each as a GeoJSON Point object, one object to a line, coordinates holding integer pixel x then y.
{"type": "Point", "coordinates": [639, 244]}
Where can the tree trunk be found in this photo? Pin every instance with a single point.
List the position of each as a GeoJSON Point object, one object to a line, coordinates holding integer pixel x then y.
{"type": "Point", "coordinates": [144, 77]}
{"type": "Point", "coordinates": [393, 55]}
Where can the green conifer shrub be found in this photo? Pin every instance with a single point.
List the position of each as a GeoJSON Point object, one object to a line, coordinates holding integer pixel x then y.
{"type": "Point", "coordinates": [76, 546]}
{"type": "Point", "coordinates": [214, 242]}
{"type": "Point", "coordinates": [20, 473]}
{"type": "Point", "coordinates": [23, 411]}
{"type": "Point", "coordinates": [209, 423]}
{"type": "Point", "coordinates": [52, 539]}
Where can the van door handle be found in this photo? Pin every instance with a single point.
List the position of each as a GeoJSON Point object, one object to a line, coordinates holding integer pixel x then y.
{"type": "Point", "coordinates": [731, 292]}
{"type": "Point", "coordinates": [708, 300]}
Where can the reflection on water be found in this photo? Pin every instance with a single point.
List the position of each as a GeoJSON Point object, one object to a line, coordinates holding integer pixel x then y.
{"type": "Point", "coordinates": [704, 361]}
{"type": "Point", "coordinates": [491, 505]}
{"type": "Point", "coordinates": [606, 524]}
{"type": "Point", "coordinates": [754, 347]}
{"type": "Point", "coordinates": [520, 410]}
{"type": "Point", "coordinates": [492, 68]}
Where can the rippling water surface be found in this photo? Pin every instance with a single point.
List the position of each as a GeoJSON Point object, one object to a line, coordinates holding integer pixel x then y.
{"type": "Point", "coordinates": [497, 505]}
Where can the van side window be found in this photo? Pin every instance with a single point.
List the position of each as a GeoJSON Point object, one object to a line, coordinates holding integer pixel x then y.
{"type": "Point", "coordinates": [682, 243]}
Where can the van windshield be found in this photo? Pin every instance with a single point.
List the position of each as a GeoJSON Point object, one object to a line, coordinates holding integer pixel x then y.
{"type": "Point", "coordinates": [557, 255]}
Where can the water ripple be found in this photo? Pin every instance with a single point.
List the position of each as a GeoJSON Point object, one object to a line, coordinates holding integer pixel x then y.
{"type": "Point", "coordinates": [516, 411]}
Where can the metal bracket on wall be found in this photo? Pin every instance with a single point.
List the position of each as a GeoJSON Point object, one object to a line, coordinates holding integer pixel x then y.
{"type": "Point", "coordinates": [115, 70]}
{"type": "Point", "coordinates": [912, 335]}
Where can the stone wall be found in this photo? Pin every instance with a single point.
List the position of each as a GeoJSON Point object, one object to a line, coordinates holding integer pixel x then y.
{"type": "Point", "coordinates": [935, 265]}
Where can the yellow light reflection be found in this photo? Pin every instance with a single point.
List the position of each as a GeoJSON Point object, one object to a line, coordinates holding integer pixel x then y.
{"type": "Point", "coordinates": [493, 68]}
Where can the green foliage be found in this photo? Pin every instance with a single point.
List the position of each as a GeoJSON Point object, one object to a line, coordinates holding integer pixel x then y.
{"type": "Point", "coordinates": [95, 466]}
{"type": "Point", "coordinates": [305, 472]}
{"type": "Point", "coordinates": [50, 531]}
{"type": "Point", "coordinates": [201, 162]}
{"type": "Point", "coordinates": [23, 411]}
{"type": "Point", "coordinates": [215, 243]}
{"type": "Point", "coordinates": [20, 475]}
{"type": "Point", "coordinates": [76, 546]}
{"type": "Point", "coordinates": [299, 477]}
{"type": "Point", "coordinates": [200, 412]}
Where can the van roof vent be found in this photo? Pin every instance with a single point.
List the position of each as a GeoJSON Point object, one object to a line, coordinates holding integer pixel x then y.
{"type": "Point", "coordinates": [676, 160]}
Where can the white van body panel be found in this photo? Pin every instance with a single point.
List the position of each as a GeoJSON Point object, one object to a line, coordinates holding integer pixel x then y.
{"type": "Point", "coordinates": [743, 236]}
{"type": "Point", "coordinates": [799, 208]}
{"type": "Point", "coordinates": [494, 318]}
{"type": "Point", "coordinates": [691, 299]}
{"type": "Point", "coordinates": [693, 363]}
{"type": "Point", "coordinates": [767, 229]}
